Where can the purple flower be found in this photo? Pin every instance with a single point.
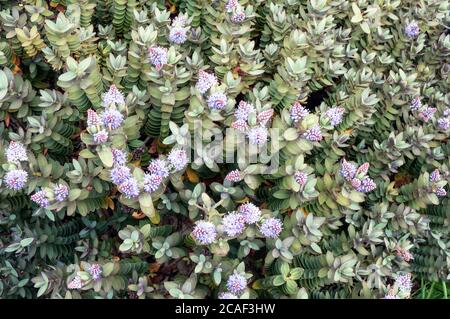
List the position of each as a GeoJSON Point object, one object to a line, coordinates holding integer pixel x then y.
{"type": "Point", "coordinates": [298, 112]}
{"type": "Point", "coordinates": [177, 35]}
{"type": "Point", "coordinates": [227, 295]}
{"type": "Point", "coordinates": [313, 134]}
{"type": "Point", "coordinates": [257, 135]}
{"type": "Point", "coordinates": [416, 103]}
{"type": "Point", "coordinates": [16, 152]}
{"type": "Point", "coordinates": [335, 115]}
{"type": "Point", "coordinates": [205, 81]}
{"type": "Point", "coordinates": [236, 283]}
{"type": "Point", "coordinates": [435, 176]}
{"type": "Point", "coordinates": [120, 174]}
{"type": "Point", "coordinates": [100, 137]}
{"type": "Point", "coordinates": [271, 227]}
{"type": "Point", "coordinates": [61, 192]}
{"type": "Point", "coordinates": [16, 179]}
{"type": "Point", "coordinates": [129, 188]}
{"type": "Point", "coordinates": [348, 170]}
{"type": "Point", "coordinates": [301, 178]}
{"type": "Point", "coordinates": [40, 198]}
{"type": "Point", "coordinates": [250, 213]}
{"type": "Point", "coordinates": [233, 224]}
{"type": "Point", "coordinates": [444, 123]}
{"type": "Point", "coordinates": [112, 118]}
{"type": "Point", "coordinates": [92, 118]}
{"type": "Point", "coordinates": [119, 156]}
{"type": "Point", "coordinates": [238, 17]}
{"type": "Point", "coordinates": [447, 112]}
{"type": "Point", "coordinates": [178, 159]}
{"type": "Point", "coordinates": [404, 254]}
{"type": "Point", "coordinates": [204, 232]}
{"type": "Point", "coordinates": [363, 169]}
{"type": "Point", "coordinates": [158, 167]}
{"type": "Point", "coordinates": [367, 185]}
{"type": "Point", "coordinates": [356, 183]}
{"type": "Point", "coordinates": [234, 176]}
{"type": "Point", "coordinates": [427, 113]}
{"type": "Point", "coordinates": [440, 191]}
{"type": "Point", "coordinates": [240, 125]}
{"type": "Point", "coordinates": [179, 21]}
{"type": "Point", "coordinates": [152, 182]}
{"type": "Point", "coordinates": [412, 29]}
{"type": "Point", "coordinates": [243, 111]}
{"type": "Point", "coordinates": [95, 271]}
{"type": "Point", "coordinates": [158, 57]}
{"type": "Point", "coordinates": [75, 283]}
{"type": "Point", "coordinates": [265, 116]}
{"type": "Point", "coordinates": [217, 101]}
{"type": "Point", "coordinates": [113, 96]}
{"type": "Point", "coordinates": [231, 4]}
{"type": "Point", "coordinates": [404, 283]}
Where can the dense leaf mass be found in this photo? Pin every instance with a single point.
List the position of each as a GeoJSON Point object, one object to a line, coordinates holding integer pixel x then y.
{"type": "Point", "coordinates": [224, 149]}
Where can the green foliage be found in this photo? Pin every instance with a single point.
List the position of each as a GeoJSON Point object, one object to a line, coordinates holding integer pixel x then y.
{"type": "Point", "coordinates": [197, 149]}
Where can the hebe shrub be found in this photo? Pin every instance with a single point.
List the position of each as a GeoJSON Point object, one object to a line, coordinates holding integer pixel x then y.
{"type": "Point", "coordinates": [119, 119]}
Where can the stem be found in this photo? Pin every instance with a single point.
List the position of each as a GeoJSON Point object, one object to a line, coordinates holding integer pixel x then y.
{"type": "Point", "coordinates": [444, 288]}
{"type": "Point", "coordinates": [423, 288]}
{"type": "Point", "coordinates": [431, 290]}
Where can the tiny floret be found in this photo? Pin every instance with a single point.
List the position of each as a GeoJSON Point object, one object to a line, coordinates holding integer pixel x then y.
{"type": "Point", "coordinates": [416, 103]}
{"type": "Point", "coordinates": [412, 29]}
{"type": "Point", "coordinates": [298, 112]}
{"type": "Point", "coordinates": [152, 182]}
{"type": "Point", "coordinates": [95, 271]}
{"type": "Point", "coordinates": [347, 170]}
{"type": "Point", "coordinates": [234, 176]}
{"type": "Point", "coordinates": [238, 17]}
{"type": "Point", "coordinates": [120, 174]}
{"type": "Point", "coordinates": [257, 135]}
{"type": "Point", "coordinates": [75, 283]}
{"type": "Point", "coordinates": [177, 35]}
{"type": "Point", "coordinates": [93, 118]}
{"type": "Point", "coordinates": [250, 212]}
{"type": "Point", "coordinates": [119, 156]}
{"type": "Point", "coordinates": [217, 101]}
{"type": "Point", "coordinates": [112, 118]}
{"type": "Point", "coordinates": [113, 96]}
{"type": "Point", "coordinates": [100, 137]}
{"type": "Point", "coordinates": [301, 178]}
{"type": "Point", "coordinates": [335, 115]}
{"type": "Point", "coordinates": [271, 227]}
{"type": "Point", "coordinates": [243, 111]}
{"type": "Point", "coordinates": [204, 232]}
{"type": "Point", "coordinates": [129, 188]}
{"type": "Point", "coordinates": [40, 198]}
{"type": "Point", "coordinates": [158, 167]}
{"type": "Point", "coordinates": [427, 113]}
{"type": "Point", "coordinates": [233, 224]}
{"type": "Point", "coordinates": [367, 185]}
{"type": "Point", "coordinates": [404, 283]}
{"type": "Point", "coordinates": [178, 159]}
{"type": "Point", "coordinates": [158, 57]}
{"type": "Point", "coordinates": [16, 179]}
{"type": "Point", "coordinates": [61, 192]}
{"type": "Point", "coordinates": [313, 134]}
{"type": "Point", "coordinates": [205, 81]}
{"type": "Point", "coordinates": [16, 153]}
{"type": "Point", "coordinates": [236, 283]}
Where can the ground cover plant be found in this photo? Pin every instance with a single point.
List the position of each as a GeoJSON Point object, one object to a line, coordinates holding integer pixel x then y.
{"type": "Point", "coordinates": [224, 149]}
